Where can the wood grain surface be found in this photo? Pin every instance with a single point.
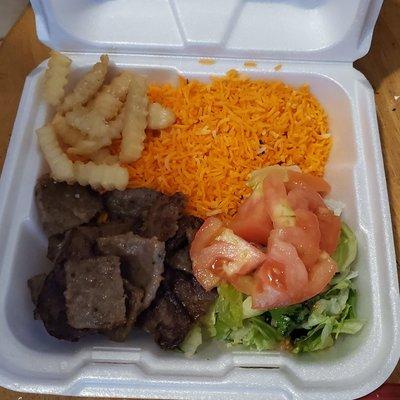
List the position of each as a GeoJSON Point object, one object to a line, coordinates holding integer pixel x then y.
{"type": "Point", "coordinates": [20, 52]}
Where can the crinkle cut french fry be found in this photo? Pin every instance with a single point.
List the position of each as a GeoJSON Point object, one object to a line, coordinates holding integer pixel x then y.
{"type": "Point", "coordinates": [56, 77]}
{"type": "Point", "coordinates": [115, 127]}
{"type": "Point", "coordinates": [88, 146]}
{"type": "Point", "coordinates": [92, 120]}
{"type": "Point", "coordinates": [119, 85]}
{"type": "Point", "coordinates": [87, 86]}
{"type": "Point", "coordinates": [135, 120]}
{"type": "Point", "coordinates": [69, 135]}
{"type": "Point", "coordinates": [89, 122]}
{"type": "Point", "coordinates": [103, 156]}
{"type": "Point", "coordinates": [109, 101]}
{"type": "Point", "coordinates": [160, 117]}
{"type": "Point", "coordinates": [108, 177]}
{"type": "Point", "coordinates": [61, 166]}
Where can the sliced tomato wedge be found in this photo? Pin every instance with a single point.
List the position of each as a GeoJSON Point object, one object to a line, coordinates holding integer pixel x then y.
{"type": "Point", "coordinates": [307, 181]}
{"type": "Point", "coordinates": [306, 199]}
{"type": "Point", "coordinates": [305, 236]}
{"type": "Point", "coordinates": [227, 255]}
{"type": "Point", "coordinates": [205, 235]}
{"type": "Point", "coordinates": [319, 276]}
{"type": "Point", "coordinates": [329, 225]}
{"type": "Point", "coordinates": [276, 201]}
{"type": "Point", "coordinates": [252, 221]}
{"type": "Point", "coordinates": [271, 290]}
{"type": "Point", "coordinates": [282, 278]}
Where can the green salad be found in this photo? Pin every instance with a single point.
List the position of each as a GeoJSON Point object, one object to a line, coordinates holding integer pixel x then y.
{"type": "Point", "coordinates": [310, 326]}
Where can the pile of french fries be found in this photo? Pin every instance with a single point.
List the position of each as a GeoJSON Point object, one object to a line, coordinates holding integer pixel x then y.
{"type": "Point", "coordinates": [90, 117]}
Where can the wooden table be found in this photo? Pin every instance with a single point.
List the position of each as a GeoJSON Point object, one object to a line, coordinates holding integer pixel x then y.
{"type": "Point", "coordinates": [21, 52]}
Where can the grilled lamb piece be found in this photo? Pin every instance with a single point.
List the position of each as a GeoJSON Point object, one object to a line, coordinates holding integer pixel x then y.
{"type": "Point", "coordinates": [131, 204]}
{"type": "Point", "coordinates": [143, 260]}
{"type": "Point", "coordinates": [177, 248]}
{"type": "Point", "coordinates": [62, 206]}
{"type": "Point", "coordinates": [166, 320]}
{"type": "Point", "coordinates": [162, 218]}
{"type": "Point", "coordinates": [191, 294]}
{"type": "Point", "coordinates": [94, 293]}
{"type": "Point", "coordinates": [179, 303]}
{"type": "Point", "coordinates": [133, 307]}
{"type": "Point", "coordinates": [51, 308]}
{"type": "Point", "coordinates": [79, 243]}
{"type": "Point", "coordinates": [188, 225]}
{"type": "Point", "coordinates": [153, 214]}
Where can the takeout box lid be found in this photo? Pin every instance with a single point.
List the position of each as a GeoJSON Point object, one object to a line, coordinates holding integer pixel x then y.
{"type": "Point", "coordinates": [310, 30]}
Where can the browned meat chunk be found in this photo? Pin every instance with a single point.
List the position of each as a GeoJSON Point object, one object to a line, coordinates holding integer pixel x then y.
{"type": "Point", "coordinates": [188, 225]}
{"type": "Point", "coordinates": [180, 259]}
{"type": "Point", "coordinates": [94, 293]}
{"type": "Point", "coordinates": [131, 203]}
{"type": "Point", "coordinates": [143, 260]}
{"type": "Point", "coordinates": [51, 308]}
{"type": "Point", "coordinates": [192, 295]}
{"type": "Point", "coordinates": [177, 248]}
{"type": "Point", "coordinates": [162, 218]}
{"type": "Point", "coordinates": [152, 213]}
{"type": "Point", "coordinates": [79, 243]}
{"type": "Point", "coordinates": [55, 245]}
{"type": "Point", "coordinates": [62, 206]}
{"type": "Point", "coordinates": [133, 308]}
{"type": "Point", "coordinates": [166, 320]}
{"type": "Point", "coordinates": [35, 285]}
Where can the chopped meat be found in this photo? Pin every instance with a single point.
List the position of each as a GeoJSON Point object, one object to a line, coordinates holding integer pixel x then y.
{"type": "Point", "coordinates": [162, 218]}
{"type": "Point", "coordinates": [191, 294]}
{"type": "Point", "coordinates": [55, 245]}
{"type": "Point", "coordinates": [62, 206]}
{"type": "Point", "coordinates": [79, 243]}
{"type": "Point", "coordinates": [152, 213]}
{"type": "Point", "coordinates": [35, 285]}
{"type": "Point", "coordinates": [133, 308]}
{"type": "Point", "coordinates": [177, 248]}
{"type": "Point", "coordinates": [51, 308]}
{"type": "Point", "coordinates": [143, 260]}
{"type": "Point", "coordinates": [131, 203]}
{"type": "Point", "coordinates": [94, 293]}
{"type": "Point", "coordinates": [166, 320]}
{"type": "Point", "coordinates": [188, 225]}
{"type": "Point", "coordinates": [180, 259]}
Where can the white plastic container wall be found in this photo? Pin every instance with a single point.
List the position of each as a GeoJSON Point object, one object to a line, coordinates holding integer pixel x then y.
{"type": "Point", "coordinates": [316, 42]}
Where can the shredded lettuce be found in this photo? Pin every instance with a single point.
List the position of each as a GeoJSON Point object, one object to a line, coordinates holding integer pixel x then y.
{"type": "Point", "coordinates": [346, 251]}
{"type": "Point", "coordinates": [256, 334]}
{"type": "Point", "coordinates": [310, 326]}
{"type": "Point", "coordinates": [192, 341]}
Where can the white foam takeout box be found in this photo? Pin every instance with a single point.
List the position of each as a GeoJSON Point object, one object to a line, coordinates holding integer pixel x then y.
{"type": "Point", "coordinates": [316, 41]}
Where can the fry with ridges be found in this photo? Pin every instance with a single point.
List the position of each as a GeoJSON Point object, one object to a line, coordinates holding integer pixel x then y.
{"type": "Point", "coordinates": [61, 166]}
{"type": "Point", "coordinates": [55, 78]}
{"type": "Point", "coordinates": [87, 86]}
{"type": "Point", "coordinates": [89, 122]}
{"type": "Point", "coordinates": [135, 120]}
{"type": "Point", "coordinates": [69, 135]}
{"type": "Point", "coordinates": [108, 177]}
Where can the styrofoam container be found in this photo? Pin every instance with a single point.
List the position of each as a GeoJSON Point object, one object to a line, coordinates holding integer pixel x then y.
{"type": "Point", "coordinates": [316, 42]}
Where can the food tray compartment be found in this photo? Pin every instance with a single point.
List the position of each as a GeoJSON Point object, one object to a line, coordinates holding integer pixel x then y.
{"type": "Point", "coordinates": [31, 360]}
